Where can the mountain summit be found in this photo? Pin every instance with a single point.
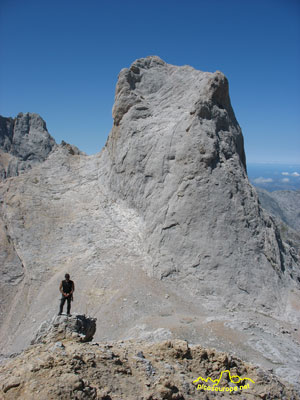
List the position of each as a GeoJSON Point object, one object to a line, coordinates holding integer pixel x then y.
{"type": "Point", "coordinates": [161, 231]}
{"type": "Point", "coordinates": [176, 156]}
{"type": "Point", "coordinates": [24, 141]}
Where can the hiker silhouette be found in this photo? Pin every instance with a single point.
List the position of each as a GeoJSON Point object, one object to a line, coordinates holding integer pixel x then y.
{"type": "Point", "coordinates": [66, 288]}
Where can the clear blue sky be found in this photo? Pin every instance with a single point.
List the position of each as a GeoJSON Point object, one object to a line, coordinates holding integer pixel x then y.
{"type": "Point", "coordinates": [61, 60]}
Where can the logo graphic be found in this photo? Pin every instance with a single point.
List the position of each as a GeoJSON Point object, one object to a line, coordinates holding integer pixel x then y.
{"type": "Point", "coordinates": [210, 384]}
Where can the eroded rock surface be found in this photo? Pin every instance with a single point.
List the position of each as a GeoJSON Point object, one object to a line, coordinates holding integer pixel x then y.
{"type": "Point", "coordinates": [176, 156]}
{"type": "Point", "coordinates": [131, 370]}
{"type": "Point", "coordinates": [65, 327]}
{"type": "Point", "coordinates": [161, 231]}
{"type": "Point", "coordinates": [24, 141]}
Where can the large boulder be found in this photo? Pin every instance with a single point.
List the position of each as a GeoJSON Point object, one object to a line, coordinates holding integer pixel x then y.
{"type": "Point", "coordinates": [66, 327]}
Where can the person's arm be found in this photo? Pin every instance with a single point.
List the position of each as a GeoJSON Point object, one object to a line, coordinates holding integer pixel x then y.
{"type": "Point", "coordinates": [73, 287]}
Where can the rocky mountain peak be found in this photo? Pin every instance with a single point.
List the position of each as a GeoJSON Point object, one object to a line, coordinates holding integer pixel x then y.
{"type": "Point", "coordinates": [27, 121]}
{"type": "Point", "coordinates": [24, 141]}
{"type": "Point", "coordinates": [162, 232]}
{"type": "Point", "coordinates": [153, 90]}
{"type": "Point", "coordinates": [176, 155]}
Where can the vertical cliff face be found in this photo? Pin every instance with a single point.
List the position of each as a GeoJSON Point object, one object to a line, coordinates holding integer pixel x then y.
{"type": "Point", "coordinates": [176, 155]}
{"type": "Point", "coordinates": [24, 141]}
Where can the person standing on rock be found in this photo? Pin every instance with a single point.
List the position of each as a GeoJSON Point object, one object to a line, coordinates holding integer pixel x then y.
{"type": "Point", "coordinates": [66, 288]}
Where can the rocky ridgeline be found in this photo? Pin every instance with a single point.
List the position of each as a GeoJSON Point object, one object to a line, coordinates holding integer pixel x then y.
{"type": "Point", "coordinates": [25, 142]}
{"type": "Point", "coordinates": [58, 366]}
{"type": "Point", "coordinates": [283, 204]}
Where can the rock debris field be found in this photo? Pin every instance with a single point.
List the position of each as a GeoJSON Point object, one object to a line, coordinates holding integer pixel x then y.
{"type": "Point", "coordinates": [59, 366]}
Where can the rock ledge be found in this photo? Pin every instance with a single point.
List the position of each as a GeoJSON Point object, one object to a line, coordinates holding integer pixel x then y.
{"type": "Point", "coordinates": [62, 327]}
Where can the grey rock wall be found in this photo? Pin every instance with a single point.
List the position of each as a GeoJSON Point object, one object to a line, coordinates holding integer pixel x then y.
{"type": "Point", "coordinates": [24, 141]}
{"type": "Point", "coordinates": [176, 155]}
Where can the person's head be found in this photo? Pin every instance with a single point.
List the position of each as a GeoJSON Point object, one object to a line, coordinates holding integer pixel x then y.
{"type": "Point", "coordinates": [67, 276]}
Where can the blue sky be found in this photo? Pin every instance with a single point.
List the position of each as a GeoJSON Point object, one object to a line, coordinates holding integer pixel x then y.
{"type": "Point", "coordinates": [61, 60]}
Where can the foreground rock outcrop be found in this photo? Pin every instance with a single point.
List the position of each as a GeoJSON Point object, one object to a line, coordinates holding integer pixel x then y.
{"type": "Point", "coordinates": [64, 368]}
{"type": "Point", "coordinates": [65, 327]}
{"type": "Point", "coordinates": [161, 231]}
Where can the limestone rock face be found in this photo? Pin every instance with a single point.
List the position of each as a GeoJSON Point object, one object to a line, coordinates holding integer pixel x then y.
{"type": "Point", "coordinates": [24, 141]}
{"type": "Point", "coordinates": [161, 231]}
{"type": "Point", "coordinates": [176, 155]}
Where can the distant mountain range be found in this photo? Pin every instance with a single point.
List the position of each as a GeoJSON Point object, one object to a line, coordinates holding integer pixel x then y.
{"type": "Point", "coordinates": [283, 204]}
{"type": "Point", "coordinates": [273, 177]}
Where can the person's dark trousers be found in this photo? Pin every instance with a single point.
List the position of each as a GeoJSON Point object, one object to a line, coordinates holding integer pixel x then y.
{"type": "Point", "coordinates": [62, 302]}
